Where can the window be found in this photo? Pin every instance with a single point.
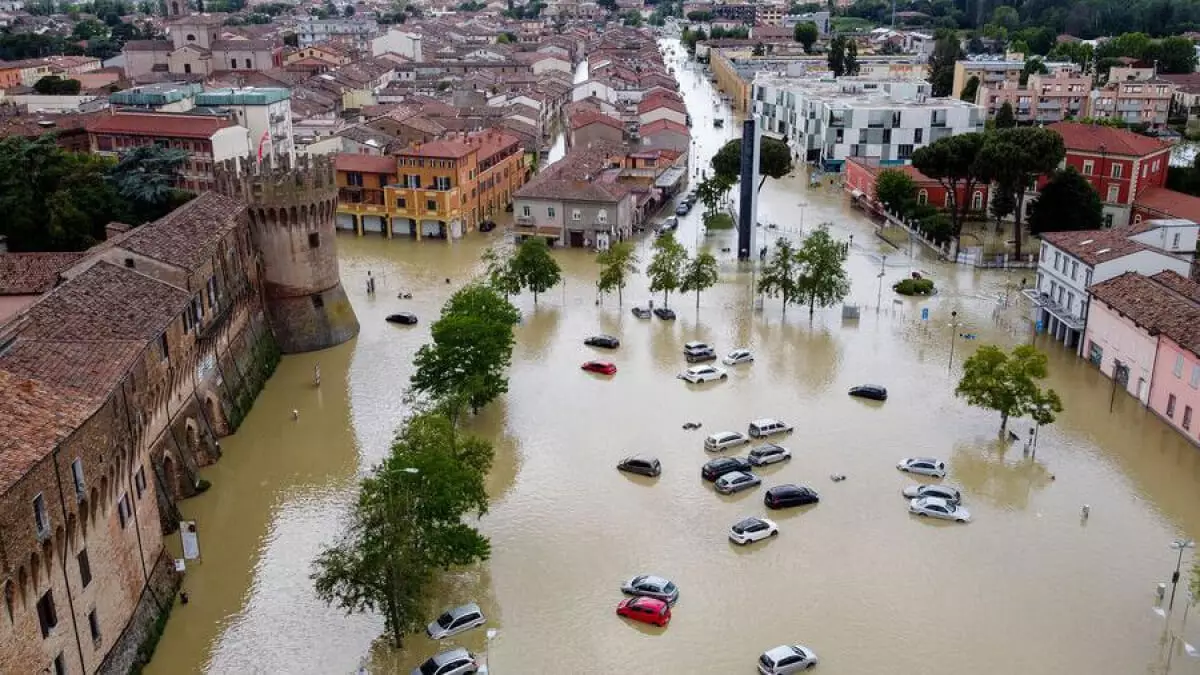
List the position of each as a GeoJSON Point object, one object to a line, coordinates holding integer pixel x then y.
{"type": "Point", "coordinates": [1114, 192]}
{"type": "Point", "coordinates": [1074, 270]}
{"type": "Point", "coordinates": [164, 347]}
{"type": "Point", "coordinates": [918, 135]}
{"type": "Point", "coordinates": [47, 617]}
{"type": "Point", "coordinates": [441, 182]}
{"type": "Point", "coordinates": [904, 151]}
{"type": "Point", "coordinates": [1087, 278]}
{"type": "Point", "coordinates": [77, 475]}
{"type": "Point", "coordinates": [1195, 381]}
{"type": "Point", "coordinates": [123, 510]}
{"type": "Point", "coordinates": [1108, 220]}
{"type": "Point", "coordinates": [401, 203]}
{"type": "Point", "coordinates": [314, 239]}
{"type": "Point", "coordinates": [41, 520]}
{"type": "Point", "coordinates": [1187, 417]}
{"type": "Point", "coordinates": [923, 197]}
{"type": "Point", "coordinates": [576, 214]}
{"type": "Point", "coordinates": [526, 211]}
{"type": "Point", "coordinates": [602, 216]}
{"type": "Point", "coordinates": [1057, 259]}
{"type": "Point", "coordinates": [129, 263]}
{"type": "Point", "coordinates": [248, 64]}
{"type": "Point", "coordinates": [977, 201]}
{"type": "Point", "coordinates": [233, 64]}
{"type": "Point", "coordinates": [1070, 301]}
{"type": "Point", "coordinates": [1116, 170]}
{"type": "Point", "coordinates": [187, 68]}
{"type": "Point", "coordinates": [431, 205]}
{"type": "Point", "coordinates": [1088, 167]}
{"type": "Point", "coordinates": [1044, 249]}
{"type": "Point", "coordinates": [60, 665]}
{"type": "Point", "coordinates": [318, 301]}
{"type": "Point", "coordinates": [139, 481]}
{"type": "Point", "coordinates": [354, 178]}
{"type": "Point", "coordinates": [550, 211]}
{"type": "Point", "coordinates": [1175, 240]}
{"type": "Point", "coordinates": [1178, 369]}
{"type": "Point", "coordinates": [191, 38]}
{"type": "Point", "coordinates": [1171, 405]}
{"type": "Point", "coordinates": [94, 626]}
{"type": "Point", "coordinates": [85, 568]}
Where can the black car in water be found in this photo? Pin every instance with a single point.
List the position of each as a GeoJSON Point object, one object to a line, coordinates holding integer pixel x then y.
{"type": "Point", "coordinates": [664, 313]}
{"type": "Point", "coordinates": [872, 391]}
{"type": "Point", "coordinates": [783, 496]}
{"type": "Point", "coordinates": [642, 465]}
{"type": "Point", "coordinates": [406, 318]}
{"type": "Point", "coordinates": [604, 341]}
{"type": "Point", "coordinates": [720, 466]}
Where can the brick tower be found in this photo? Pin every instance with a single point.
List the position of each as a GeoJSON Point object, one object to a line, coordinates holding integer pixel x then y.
{"type": "Point", "coordinates": [291, 204]}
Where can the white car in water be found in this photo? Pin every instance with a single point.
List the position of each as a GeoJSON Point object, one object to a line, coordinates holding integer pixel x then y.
{"type": "Point", "coordinates": [786, 660]}
{"type": "Point", "coordinates": [938, 508]}
{"type": "Point", "coordinates": [750, 530]}
{"type": "Point", "coordinates": [940, 491]}
{"type": "Point", "coordinates": [699, 374]}
{"type": "Point", "coordinates": [738, 357]}
{"type": "Point", "coordinates": [926, 466]}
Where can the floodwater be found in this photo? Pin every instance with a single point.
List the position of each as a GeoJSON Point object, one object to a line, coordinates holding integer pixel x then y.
{"type": "Point", "coordinates": [1026, 587]}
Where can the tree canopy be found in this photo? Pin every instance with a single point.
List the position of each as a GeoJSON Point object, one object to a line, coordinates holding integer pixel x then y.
{"type": "Point", "coordinates": [666, 267]}
{"type": "Point", "coordinates": [843, 56]}
{"type": "Point", "coordinates": [535, 267]}
{"type": "Point", "coordinates": [946, 51]}
{"type": "Point", "coordinates": [970, 89]}
{"type": "Point", "coordinates": [774, 160]}
{"type": "Point", "coordinates": [617, 263]}
{"type": "Point", "coordinates": [1006, 383]}
{"type": "Point", "coordinates": [1067, 202]}
{"type": "Point", "coordinates": [1014, 158]}
{"type": "Point", "coordinates": [954, 162]}
{"type": "Point", "coordinates": [823, 280]}
{"type": "Point", "coordinates": [806, 34]}
{"type": "Point", "coordinates": [780, 276]}
{"type": "Point", "coordinates": [896, 190]}
{"type": "Point", "coordinates": [700, 273]}
{"type": "Point", "coordinates": [1006, 117]}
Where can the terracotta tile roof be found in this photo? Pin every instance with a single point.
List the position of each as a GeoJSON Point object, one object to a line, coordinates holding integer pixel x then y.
{"type": "Point", "coordinates": [33, 418]}
{"type": "Point", "coordinates": [33, 273]}
{"type": "Point", "coordinates": [1188, 288]}
{"type": "Point", "coordinates": [149, 124]}
{"type": "Point", "coordinates": [1169, 203]}
{"type": "Point", "coordinates": [1093, 137]}
{"type": "Point", "coordinates": [583, 174]}
{"type": "Point", "coordinates": [243, 45]}
{"type": "Point", "coordinates": [586, 118]}
{"type": "Point", "coordinates": [187, 236]}
{"type": "Point", "coordinates": [148, 46]}
{"type": "Point", "coordinates": [105, 302]}
{"type": "Point", "coordinates": [664, 125]}
{"type": "Point", "coordinates": [95, 367]}
{"type": "Point", "coordinates": [1095, 246]}
{"type": "Point", "coordinates": [452, 149]}
{"type": "Point", "coordinates": [1156, 306]}
{"type": "Point", "coordinates": [366, 163]}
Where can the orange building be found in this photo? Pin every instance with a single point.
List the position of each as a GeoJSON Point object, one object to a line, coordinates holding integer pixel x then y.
{"type": "Point", "coordinates": [444, 188]}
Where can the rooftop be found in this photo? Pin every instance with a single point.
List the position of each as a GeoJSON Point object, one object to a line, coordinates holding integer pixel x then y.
{"type": "Point", "coordinates": [187, 236]}
{"type": "Point", "coordinates": [158, 124]}
{"type": "Point", "coordinates": [1095, 246]}
{"type": "Point", "coordinates": [1170, 202]}
{"type": "Point", "coordinates": [1161, 304]}
{"type": "Point", "coordinates": [244, 96]}
{"type": "Point", "coordinates": [34, 416]}
{"type": "Point", "coordinates": [33, 273]}
{"type": "Point", "coordinates": [1101, 139]}
{"type": "Point", "coordinates": [347, 161]}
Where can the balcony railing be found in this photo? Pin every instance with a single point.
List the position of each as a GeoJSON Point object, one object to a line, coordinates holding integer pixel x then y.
{"type": "Point", "coordinates": [357, 195]}
{"type": "Point", "coordinates": [524, 220]}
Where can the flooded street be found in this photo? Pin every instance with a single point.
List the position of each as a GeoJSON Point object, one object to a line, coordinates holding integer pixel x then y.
{"type": "Point", "coordinates": [1027, 587]}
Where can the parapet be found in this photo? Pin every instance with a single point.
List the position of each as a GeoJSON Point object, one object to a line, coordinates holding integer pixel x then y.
{"type": "Point", "coordinates": [278, 181]}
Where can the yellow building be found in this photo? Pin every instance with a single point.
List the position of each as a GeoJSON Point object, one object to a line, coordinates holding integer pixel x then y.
{"type": "Point", "coordinates": [441, 189]}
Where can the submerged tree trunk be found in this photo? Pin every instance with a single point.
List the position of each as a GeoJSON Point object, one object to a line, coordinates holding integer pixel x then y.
{"type": "Point", "coordinates": [1003, 423]}
{"type": "Point", "coordinates": [812, 305]}
{"type": "Point", "coordinates": [697, 300]}
{"type": "Point", "coordinates": [666, 293]}
{"type": "Point", "coordinates": [619, 301]}
{"type": "Point", "coordinates": [1018, 226]}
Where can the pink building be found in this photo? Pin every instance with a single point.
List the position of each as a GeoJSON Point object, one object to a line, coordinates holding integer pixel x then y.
{"type": "Point", "coordinates": [1054, 97]}
{"type": "Point", "coordinates": [1144, 331]}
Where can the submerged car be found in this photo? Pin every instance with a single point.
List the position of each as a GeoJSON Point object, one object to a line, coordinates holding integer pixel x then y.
{"type": "Point", "coordinates": [664, 313]}
{"type": "Point", "coordinates": [751, 530]}
{"type": "Point", "coordinates": [683, 208]}
{"type": "Point", "coordinates": [646, 610]}
{"type": "Point", "coordinates": [926, 466]}
{"type": "Point", "coordinates": [724, 439]}
{"type": "Point", "coordinates": [767, 426]}
{"type": "Point", "coordinates": [871, 391]}
{"type": "Point", "coordinates": [642, 312]}
{"type": "Point", "coordinates": [700, 374]}
{"type": "Point", "coordinates": [786, 660]}
{"type": "Point", "coordinates": [736, 481]}
{"type": "Point", "coordinates": [605, 341]}
{"type": "Point", "coordinates": [641, 464]}
{"type": "Point", "coordinates": [600, 367]}
{"type": "Point", "coordinates": [720, 466]}
{"type": "Point", "coordinates": [940, 491]}
{"type": "Point", "coordinates": [651, 586]}
{"type": "Point", "coordinates": [783, 496]}
{"type": "Point", "coordinates": [455, 621]}
{"type": "Point", "coordinates": [452, 662]}
{"type": "Point", "coordinates": [769, 454]}
{"type": "Point", "coordinates": [405, 318]}
{"type": "Point", "coordinates": [939, 508]}
{"type": "Point", "coordinates": [738, 357]}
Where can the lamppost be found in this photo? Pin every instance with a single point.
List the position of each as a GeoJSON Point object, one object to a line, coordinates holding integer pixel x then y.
{"type": "Point", "coordinates": [1181, 544]}
{"type": "Point", "coordinates": [879, 294]}
{"type": "Point", "coordinates": [802, 205]}
{"type": "Point", "coordinates": [487, 658]}
{"type": "Point", "coordinates": [953, 334]}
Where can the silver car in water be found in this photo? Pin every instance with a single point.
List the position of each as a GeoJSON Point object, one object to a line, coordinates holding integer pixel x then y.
{"type": "Point", "coordinates": [455, 621]}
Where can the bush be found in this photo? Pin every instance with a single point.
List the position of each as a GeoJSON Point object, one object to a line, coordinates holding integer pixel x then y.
{"type": "Point", "coordinates": [718, 221]}
{"type": "Point", "coordinates": [914, 287]}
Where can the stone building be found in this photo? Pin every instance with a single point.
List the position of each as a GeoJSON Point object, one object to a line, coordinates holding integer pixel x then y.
{"type": "Point", "coordinates": [116, 381]}
{"type": "Point", "coordinates": [196, 48]}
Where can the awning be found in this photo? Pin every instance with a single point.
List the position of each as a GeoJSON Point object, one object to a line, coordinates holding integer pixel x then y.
{"type": "Point", "coordinates": [670, 178]}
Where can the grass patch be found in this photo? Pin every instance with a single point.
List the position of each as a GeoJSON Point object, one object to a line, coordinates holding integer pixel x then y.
{"type": "Point", "coordinates": [895, 235]}
{"type": "Point", "coordinates": [850, 24]}
{"type": "Point", "coordinates": [718, 221]}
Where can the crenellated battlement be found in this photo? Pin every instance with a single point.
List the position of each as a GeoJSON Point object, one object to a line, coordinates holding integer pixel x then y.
{"type": "Point", "coordinates": [282, 183]}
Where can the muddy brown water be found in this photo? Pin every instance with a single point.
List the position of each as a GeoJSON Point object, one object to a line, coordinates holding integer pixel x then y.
{"type": "Point", "coordinates": [1027, 587]}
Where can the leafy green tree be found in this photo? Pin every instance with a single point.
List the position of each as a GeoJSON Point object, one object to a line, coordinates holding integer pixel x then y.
{"type": "Point", "coordinates": [1006, 117]}
{"type": "Point", "coordinates": [780, 276]}
{"type": "Point", "coordinates": [806, 34]}
{"type": "Point", "coordinates": [1006, 383]}
{"type": "Point", "coordinates": [946, 51]}
{"type": "Point", "coordinates": [471, 348]}
{"type": "Point", "coordinates": [53, 85]}
{"type": "Point", "coordinates": [608, 5]}
{"type": "Point", "coordinates": [1067, 202]}
{"type": "Point", "coordinates": [896, 190]}
{"type": "Point", "coordinates": [850, 64]}
{"type": "Point", "coordinates": [666, 267]}
{"type": "Point", "coordinates": [1014, 158]}
{"type": "Point", "coordinates": [970, 89]}
{"type": "Point", "coordinates": [410, 521]}
{"type": "Point", "coordinates": [774, 160]}
{"type": "Point", "coordinates": [699, 274]}
{"type": "Point", "coordinates": [1176, 55]}
{"type": "Point", "coordinates": [88, 29]}
{"type": "Point", "coordinates": [823, 280]}
{"type": "Point", "coordinates": [836, 58]}
{"type": "Point", "coordinates": [147, 176]}
{"type": "Point", "coordinates": [1003, 204]}
{"type": "Point", "coordinates": [1006, 17]}
{"type": "Point", "coordinates": [711, 190]}
{"type": "Point", "coordinates": [617, 263]}
{"type": "Point", "coordinates": [954, 163]}
{"type": "Point", "coordinates": [1033, 65]}
{"type": "Point", "coordinates": [535, 267]}
{"type": "Point", "coordinates": [501, 274]}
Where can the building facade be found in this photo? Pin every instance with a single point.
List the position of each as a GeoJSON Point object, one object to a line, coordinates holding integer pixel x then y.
{"type": "Point", "coordinates": [265, 112]}
{"type": "Point", "coordinates": [1135, 96]}
{"type": "Point", "coordinates": [352, 30]}
{"type": "Point", "coordinates": [861, 174]}
{"type": "Point", "coordinates": [208, 141]}
{"type": "Point", "coordinates": [1053, 97]}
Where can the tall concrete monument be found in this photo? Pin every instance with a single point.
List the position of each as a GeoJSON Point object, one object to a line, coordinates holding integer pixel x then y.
{"type": "Point", "coordinates": [748, 195]}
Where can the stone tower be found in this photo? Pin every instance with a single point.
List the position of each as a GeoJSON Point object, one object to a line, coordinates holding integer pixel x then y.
{"type": "Point", "coordinates": [291, 207]}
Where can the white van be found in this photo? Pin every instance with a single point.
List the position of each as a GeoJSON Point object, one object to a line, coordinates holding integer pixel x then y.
{"type": "Point", "coordinates": [724, 439]}
{"type": "Point", "coordinates": [767, 427]}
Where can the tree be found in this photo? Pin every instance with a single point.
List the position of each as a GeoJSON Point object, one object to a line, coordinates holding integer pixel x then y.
{"type": "Point", "coordinates": [823, 280]}
{"type": "Point", "coordinates": [348, 11]}
{"type": "Point", "coordinates": [666, 267]}
{"type": "Point", "coordinates": [837, 56]}
{"type": "Point", "coordinates": [699, 274]}
{"type": "Point", "coordinates": [946, 51]}
{"type": "Point", "coordinates": [1006, 117]}
{"type": "Point", "coordinates": [535, 267]}
{"type": "Point", "coordinates": [471, 348]}
{"type": "Point", "coordinates": [896, 190]}
{"type": "Point", "coordinates": [291, 39]}
{"type": "Point", "coordinates": [1002, 206]}
{"type": "Point", "coordinates": [954, 163]}
{"type": "Point", "coordinates": [1032, 66]}
{"type": "Point", "coordinates": [147, 176]}
{"type": "Point", "coordinates": [1067, 202]}
{"type": "Point", "coordinates": [780, 277]}
{"type": "Point", "coordinates": [500, 272]}
{"type": "Point", "coordinates": [1014, 158]}
{"type": "Point", "coordinates": [970, 89]}
{"type": "Point", "coordinates": [53, 85]}
{"type": "Point", "coordinates": [617, 263]}
{"type": "Point", "coordinates": [711, 190]}
{"type": "Point", "coordinates": [88, 29]}
{"type": "Point", "coordinates": [1005, 383]}
{"type": "Point", "coordinates": [774, 161]}
{"type": "Point", "coordinates": [850, 64]}
{"type": "Point", "coordinates": [409, 521]}
{"type": "Point", "coordinates": [1176, 54]}
{"type": "Point", "coordinates": [806, 34]}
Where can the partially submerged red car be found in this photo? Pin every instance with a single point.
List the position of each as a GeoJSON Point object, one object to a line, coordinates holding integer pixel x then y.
{"type": "Point", "coordinates": [602, 367]}
{"type": "Point", "coordinates": [647, 610]}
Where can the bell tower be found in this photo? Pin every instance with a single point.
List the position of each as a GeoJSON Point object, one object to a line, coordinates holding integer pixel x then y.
{"type": "Point", "coordinates": [292, 207]}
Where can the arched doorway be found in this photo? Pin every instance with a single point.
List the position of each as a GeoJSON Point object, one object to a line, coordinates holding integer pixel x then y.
{"type": "Point", "coordinates": [170, 477]}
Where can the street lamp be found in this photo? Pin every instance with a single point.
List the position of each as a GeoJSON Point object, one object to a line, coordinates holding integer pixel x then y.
{"type": "Point", "coordinates": [953, 334]}
{"type": "Point", "coordinates": [802, 205]}
{"type": "Point", "coordinates": [879, 294]}
{"type": "Point", "coordinates": [1181, 545]}
{"type": "Point", "coordinates": [487, 657]}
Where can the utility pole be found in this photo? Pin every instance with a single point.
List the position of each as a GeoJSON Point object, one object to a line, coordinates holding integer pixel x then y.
{"type": "Point", "coordinates": [879, 294]}
{"type": "Point", "coordinates": [953, 334]}
{"type": "Point", "coordinates": [1180, 544]}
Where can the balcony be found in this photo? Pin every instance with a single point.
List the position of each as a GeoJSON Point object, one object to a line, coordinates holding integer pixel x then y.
{"type": "Point", "coordinates": [524, 220]}
{"type": "Point", "coordinates": [358, 195]}
{"type": "Point", "coordinates": [1044, 301]}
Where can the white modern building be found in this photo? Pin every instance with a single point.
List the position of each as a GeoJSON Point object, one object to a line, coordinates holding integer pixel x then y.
{"type": "Point", "coordinates": [1070, 262]}
{"type": "Point", "coordinates": [265, 111]}
{"type": "Point", "coordinates": [404, 43]}
{"type": "Point", "coordinates": [827, 120]}
{"type": "Point", "coordinates": [359, 31]}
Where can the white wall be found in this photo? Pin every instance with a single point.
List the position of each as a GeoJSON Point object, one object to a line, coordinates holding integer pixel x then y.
{"type": "Point", "coordinates": [1145, 262]}
{"type": "Point", "coordinates": [1163, 236]}
{"type": "Point", "coordinates": [399, 42]}
{"type": "Point", "coordinates": [231, 142]}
